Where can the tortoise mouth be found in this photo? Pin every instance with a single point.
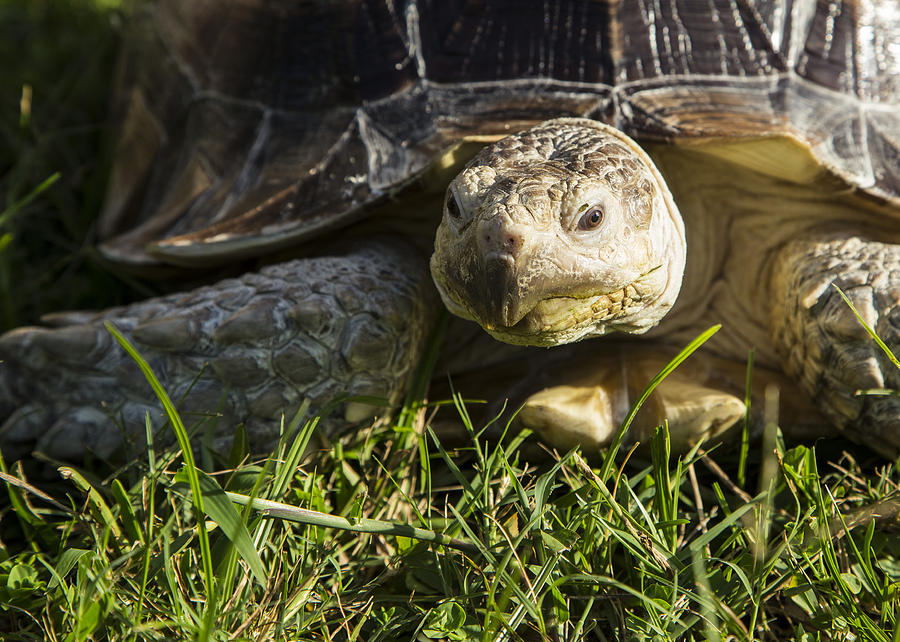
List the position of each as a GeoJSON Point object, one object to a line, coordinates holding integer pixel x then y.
{"type": "Point", "coordinates": [544, 315]}
{"type": "Point", "coordinates": [532, 329]}
{"type": "Point", "coordinates": [556, 320]}
{"type": "Point", "coordinates": [551, 321]}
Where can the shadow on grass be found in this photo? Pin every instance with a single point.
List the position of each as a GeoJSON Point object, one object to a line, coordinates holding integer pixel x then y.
{"type": "Point", "coordinates": [58, 61]}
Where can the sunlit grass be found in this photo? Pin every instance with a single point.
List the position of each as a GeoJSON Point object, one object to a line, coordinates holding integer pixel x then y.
{"type": "Point", "coordinates": [385, 534]}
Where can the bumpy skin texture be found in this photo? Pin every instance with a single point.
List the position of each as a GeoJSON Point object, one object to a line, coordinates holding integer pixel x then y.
{"type": "Point", "coordinates": [823, 344]}
{"type": "Point", "coordinates": [560, 232]}
{"type": "Point", "coordinates": [312, 328]}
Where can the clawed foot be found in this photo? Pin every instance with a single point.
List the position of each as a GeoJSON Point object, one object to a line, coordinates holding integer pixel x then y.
{"type": "Point", "coordinates": [826, 347]}
{"type": "Point", "coordinates": [242, 351]}
{"type": "Point", "coordinates": [593, 400]}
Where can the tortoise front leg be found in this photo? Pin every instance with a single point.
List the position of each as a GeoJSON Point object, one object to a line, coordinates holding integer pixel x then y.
{"type": "Point", "coordinates": [821, 342]}
{"type": "Point", "coordinates": [242, 350]}
{"type": "Point", "coordinates": [593, 393]}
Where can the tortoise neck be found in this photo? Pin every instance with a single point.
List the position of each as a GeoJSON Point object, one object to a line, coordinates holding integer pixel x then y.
{"type": "Point", "coordinates": [736, 222]}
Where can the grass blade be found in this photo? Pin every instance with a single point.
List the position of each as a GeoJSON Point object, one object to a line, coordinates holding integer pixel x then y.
{"type": "Point", "coordinates": [7, 214]}
{"type": "Point", "coordinates": [190, 469]}
{"type": "Point", "coordinates": [222, 511]}
{"type": "Point", "coordinates": [96, 505]}
{"type": "Point", "coordinates": [356, 525]}
{"type": "Point", "coordinates": [881, 344]}
{"type": "Point", "coordinates": [609, 459]}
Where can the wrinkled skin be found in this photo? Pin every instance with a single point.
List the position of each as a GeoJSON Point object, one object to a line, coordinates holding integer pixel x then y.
{"type": "Point", "coordinates": [558, 233]}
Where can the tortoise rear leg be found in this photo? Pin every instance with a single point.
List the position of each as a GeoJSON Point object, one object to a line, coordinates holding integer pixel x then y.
{"type": "Point", "coordinates": [821, 342]}
{"type": "Point", "coordinates": [244, 349]}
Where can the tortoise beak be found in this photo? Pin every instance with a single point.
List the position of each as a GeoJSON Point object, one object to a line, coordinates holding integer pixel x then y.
{"type": "Point", "coordinates": [503, 290]}
{"type": "Point", "coordinates": [495, 274]}
{"type": "Point", "coordinates": [500, 301]}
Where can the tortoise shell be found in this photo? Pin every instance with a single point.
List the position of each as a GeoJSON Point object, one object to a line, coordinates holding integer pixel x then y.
{"type": "Point", "coordinates": [261, 123]}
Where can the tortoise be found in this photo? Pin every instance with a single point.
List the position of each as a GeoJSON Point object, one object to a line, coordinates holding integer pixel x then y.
{"type": "Point", "coordinates": [322, 137]}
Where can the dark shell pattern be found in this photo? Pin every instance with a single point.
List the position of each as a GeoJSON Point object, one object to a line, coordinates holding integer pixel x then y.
{"type": "Point", "coordinates": [266, 121]}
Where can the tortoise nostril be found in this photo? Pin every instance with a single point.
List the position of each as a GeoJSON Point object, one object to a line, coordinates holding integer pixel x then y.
{"type": "Point", "coordinates": [512, 241]}
{"type": "Point", "coordinates": [505, 241]}
{"type": "Point", "coordinates": [501, 237]}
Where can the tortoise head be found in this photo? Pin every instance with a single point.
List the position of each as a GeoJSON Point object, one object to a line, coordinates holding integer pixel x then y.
{"type": "Point", "coordinates": [560, 232]}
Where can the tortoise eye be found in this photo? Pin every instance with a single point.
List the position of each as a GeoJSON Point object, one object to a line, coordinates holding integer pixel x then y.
{"type": "Point", "coordinates": [591, 219]}
{"type": "Point", "coordinates": [452, 206]}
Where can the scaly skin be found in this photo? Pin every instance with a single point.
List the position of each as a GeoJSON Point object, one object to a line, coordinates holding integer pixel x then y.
{"type": "Point", "coordinates": [514, 252]}
{"type": "Point", "coordinates": [314, 329]}
{"type": "Point", "coordinates": [822, 343]}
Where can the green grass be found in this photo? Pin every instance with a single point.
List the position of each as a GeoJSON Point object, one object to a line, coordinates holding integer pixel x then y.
{"type": "Point", "coordinates": [384, 533]}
